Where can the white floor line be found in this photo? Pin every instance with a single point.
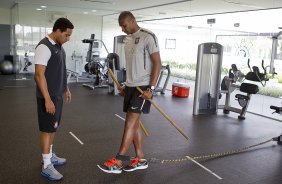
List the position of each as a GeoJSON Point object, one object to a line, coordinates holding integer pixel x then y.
{"type": "Point", "coordinates": [76, 138]}
{"type": "Point", "coordinates": [119, 117]}
{"type": "Point", "coordinates": [204, 167]}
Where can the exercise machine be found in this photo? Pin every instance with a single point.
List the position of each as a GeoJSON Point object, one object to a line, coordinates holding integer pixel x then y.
{"type": "Point", "coordinates": [208, 77]}
{"type": "Point", "coordinates": [119, 73]}
{"type": "Point", "coordinates": [256, 75]}
{"type": "Point", "coordinates": [278, 110]}
{"type": "Point", "coordinates": [27, 62]}
{"type": "Point", "coordinates": [159, 88]}
{"type": "Point", "coordinates": [95, 65]}
{"type": "Point", "coordinates": [116, 61]}
{"type": "Point", "coordinates": [230, 84]}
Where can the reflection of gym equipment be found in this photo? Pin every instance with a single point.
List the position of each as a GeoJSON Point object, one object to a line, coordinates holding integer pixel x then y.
{"type": "Point", "coordinates": [27, 62]}
{"type": "Point", "coordinates": [228, 85]}
{"type": "Point", "coordinates": [95, 65]}
{"type": "Point", "coordinates": [207, 82]}
{"type": "Point", "coordinates": [278, 110]}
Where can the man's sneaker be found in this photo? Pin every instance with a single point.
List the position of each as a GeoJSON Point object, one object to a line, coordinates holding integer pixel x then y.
{"type": "Point", "coordinates": [111, 166]}
{"type": "Point", "coordinates": [136, 164]}
{"type": "Point", "coordinates": [56, 161]}
{"type": "Point", "coordinates": [51, 173]}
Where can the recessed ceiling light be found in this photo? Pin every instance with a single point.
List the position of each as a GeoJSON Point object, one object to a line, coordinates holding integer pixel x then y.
{"type": "Point", "coordinates": [85, 12]}
{"type": "Point", "coordinates": [236, 24]}
{"type": "Point", "coordinates": [93, 10]}
{"type": "Point", "coordinates": [43, 6]}
{"type": "Point", "coordinates": [38, 9]}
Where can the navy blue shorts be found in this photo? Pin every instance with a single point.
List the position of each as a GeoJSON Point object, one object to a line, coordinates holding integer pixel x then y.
{"type": "Point", "coordinates": [49, 122]}
{"type": "Point", "coordinates": [133, 103]}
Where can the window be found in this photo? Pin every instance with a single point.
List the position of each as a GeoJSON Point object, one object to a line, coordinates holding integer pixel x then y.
{"type": "Point", "coordinates": [170, 43]}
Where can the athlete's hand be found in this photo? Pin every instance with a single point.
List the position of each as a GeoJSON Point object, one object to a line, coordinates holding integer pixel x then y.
{"type": "Point", "coordinates": [68, 96]}
{"type": "Point", "coordinates": [121, 90]}
{"type": "Point", "coordinates": [50, 107]}
{"type": "Point", "coordinates": [147, 94]}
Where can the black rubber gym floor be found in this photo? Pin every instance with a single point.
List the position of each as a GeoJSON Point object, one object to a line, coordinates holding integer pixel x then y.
{"type": "Point", "coordinates": [92, 118]}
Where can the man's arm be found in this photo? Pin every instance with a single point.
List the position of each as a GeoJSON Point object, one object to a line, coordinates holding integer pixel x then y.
{"type": "Point", "coordinates": [156, 68]}
{"type": "Point", "coordinates": [156, 62]}
{"type": "Point", "coordinates": [40, 80]}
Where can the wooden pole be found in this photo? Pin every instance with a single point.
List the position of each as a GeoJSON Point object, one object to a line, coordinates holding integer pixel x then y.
{"type": "Point", "coordinates": [164, 114]}
{"type": "Point", "coordinates": [121, 89]}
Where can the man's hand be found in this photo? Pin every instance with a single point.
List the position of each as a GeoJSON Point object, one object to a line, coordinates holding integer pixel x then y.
{"type": "Point", "coordinates": [121, 90]}
{"type": "Point", "coordinates": [50, 107]}
{"type": "Point", "coordinates": [68, 96]}
{"type": "Point", "coordinates": [147, 94]}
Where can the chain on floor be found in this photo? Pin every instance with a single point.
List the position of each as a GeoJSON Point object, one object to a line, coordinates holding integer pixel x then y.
{"type": "Point", "coordinates": [214, 155]}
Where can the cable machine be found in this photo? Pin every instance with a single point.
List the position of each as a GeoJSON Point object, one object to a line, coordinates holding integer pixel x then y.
{"type": "Point", "coordinates": [208, 77]}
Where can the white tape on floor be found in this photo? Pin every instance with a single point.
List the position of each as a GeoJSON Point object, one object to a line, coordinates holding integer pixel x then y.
{"type": "Point", "coordinates": [204, 167]}
{"type": "Point", "coordinates": [76, 138]}
{"type": "Point", "coordinates": [119, 117]}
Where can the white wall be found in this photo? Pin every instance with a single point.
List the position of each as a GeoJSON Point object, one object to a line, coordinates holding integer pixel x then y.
{"type": "Point", "coordinates": [5, 17]}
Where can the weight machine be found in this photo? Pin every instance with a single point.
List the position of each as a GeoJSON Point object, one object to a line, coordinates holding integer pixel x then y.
{"type": "Point", "coordinates": [160, 89]}
{"type": "Point", "coordinates": [27, 62]}
{"type": "Point", "coordinates": [278, 110]}
{"type": "Point", "coordinates": [229, 85]}
{"type": "Point", "coordinates": [95, 65]}
{"type": "Point", "coordinates": [208, 76]}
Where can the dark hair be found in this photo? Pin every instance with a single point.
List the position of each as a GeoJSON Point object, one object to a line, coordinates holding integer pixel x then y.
{"type": "Point", "coordinates": [63, 24]}
{"type": "Point", "coordinates": [125, 14]}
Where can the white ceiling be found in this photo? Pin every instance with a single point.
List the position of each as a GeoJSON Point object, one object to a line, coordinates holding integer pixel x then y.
{"type": "Point", "coordinates": [148, 9]}
{"type": "Point", "coordinates": [250, 20]}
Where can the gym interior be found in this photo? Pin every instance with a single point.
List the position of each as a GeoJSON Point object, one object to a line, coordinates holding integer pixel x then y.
{"type": "Point", "coordinates": [216, 110]}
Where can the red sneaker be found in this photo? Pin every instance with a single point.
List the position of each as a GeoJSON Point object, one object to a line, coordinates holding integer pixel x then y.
{"type": "Point", "coordinates": [111, 166]}
{"type": "Point", "coordinates": [136, 164]}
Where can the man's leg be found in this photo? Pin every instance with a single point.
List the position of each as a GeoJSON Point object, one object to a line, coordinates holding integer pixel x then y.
{"type": "Point", "coordinates": [131, 126]}
{"type": "Point", "coordinates": [138, 162]}
{"type": "Point", "coordinates": [47, 127]}
{"type": "Point", "coordinates": [130, 130]}
{"type": "Point", "coordinates": [137, 141]}
{"type": "Point", "coordinates": [55, 160]}
{"type": "Point", "coordinates": [45, 142]}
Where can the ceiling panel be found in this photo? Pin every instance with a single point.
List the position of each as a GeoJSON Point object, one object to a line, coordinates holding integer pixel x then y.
{"type": "Point", "coordinates": [148, 9]}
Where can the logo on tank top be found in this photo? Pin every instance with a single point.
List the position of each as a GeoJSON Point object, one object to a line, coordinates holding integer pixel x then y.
{"type": "Point", "coordinates": [137, 40]}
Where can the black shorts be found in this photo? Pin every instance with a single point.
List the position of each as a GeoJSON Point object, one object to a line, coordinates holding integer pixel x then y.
{"type": "Point", "coordinates": [48, 122]}
{"type": "Point", "coordinates": [134, 103]}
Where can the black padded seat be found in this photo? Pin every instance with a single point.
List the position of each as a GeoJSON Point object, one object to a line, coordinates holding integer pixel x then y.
{"type": "Point", "coordinates": [257, 77]}
{"type": "Point", "coordinates": [240, 96]}
{"type": "Point", "coordinates": [249, 88]}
